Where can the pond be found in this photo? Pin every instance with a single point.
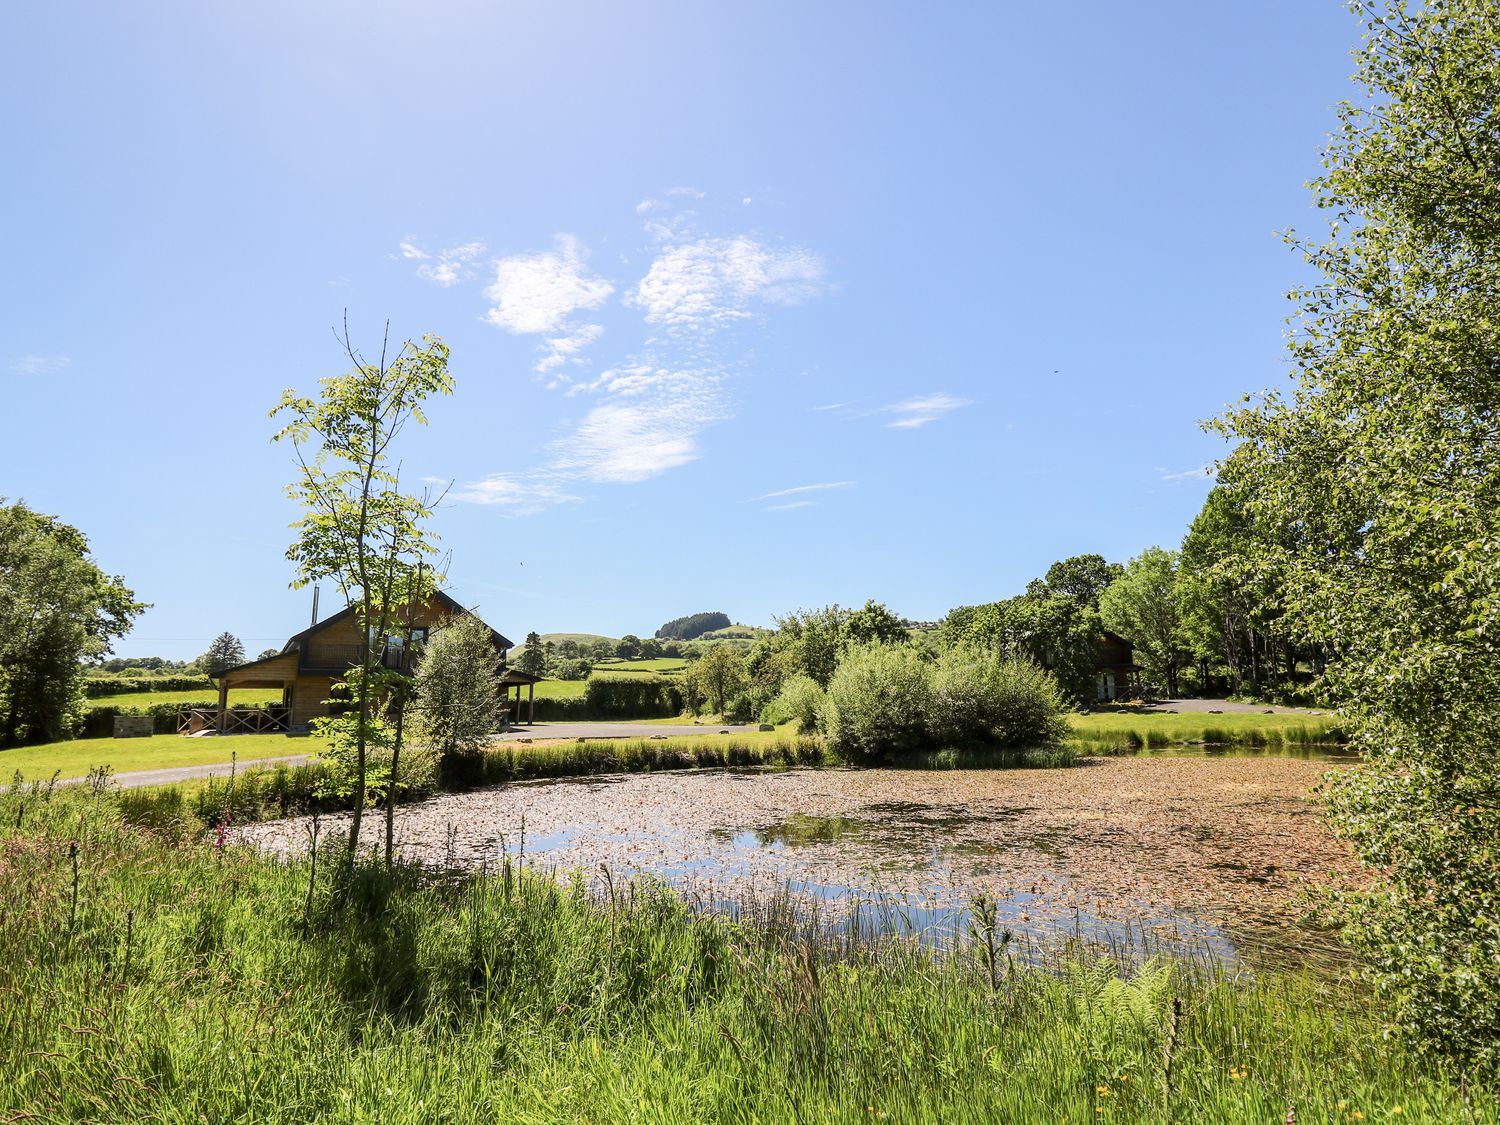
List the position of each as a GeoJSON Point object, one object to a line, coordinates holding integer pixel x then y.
{"type": "Point", "coordinates": [1201, 852]}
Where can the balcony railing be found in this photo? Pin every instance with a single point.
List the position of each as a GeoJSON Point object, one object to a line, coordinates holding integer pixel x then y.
{"type": "Point", "coordinates": [344, 656]}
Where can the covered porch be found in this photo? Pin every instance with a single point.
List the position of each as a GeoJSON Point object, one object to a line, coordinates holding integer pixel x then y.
{"type": "Point", "coordinates": [278, 671]}
{"type": "Point", "coordinates": [521, 681]}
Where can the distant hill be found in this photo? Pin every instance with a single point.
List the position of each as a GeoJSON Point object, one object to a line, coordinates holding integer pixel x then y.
{"type": "Point", "coordinates": [692, 626]}
{"type": "Point", "coordinates": [578, 638]}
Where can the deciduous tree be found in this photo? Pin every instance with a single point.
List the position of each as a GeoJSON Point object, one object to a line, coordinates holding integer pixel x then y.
{"type": "Point", "coordinates": [1378, 472]}
{"type": "Point", "coordinates": [58, 609]}
{"type": "Point", "coordinates": [359, 528]}
{"type": "Point", "coordinates": [1143, 606]}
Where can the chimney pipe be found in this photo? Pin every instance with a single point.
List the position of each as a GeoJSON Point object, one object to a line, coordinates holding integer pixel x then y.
{"type": "Point", "coordinates": [315, 606]}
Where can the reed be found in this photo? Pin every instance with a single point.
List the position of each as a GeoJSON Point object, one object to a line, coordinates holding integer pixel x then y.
{"type": "Point", "coordinates": [218, 985]}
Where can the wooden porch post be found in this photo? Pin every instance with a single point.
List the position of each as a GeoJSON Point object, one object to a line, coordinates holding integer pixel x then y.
{"type": "Point", "coordinates": [530, 704]}
{"type": "Point", "coordinates": [223, 700]}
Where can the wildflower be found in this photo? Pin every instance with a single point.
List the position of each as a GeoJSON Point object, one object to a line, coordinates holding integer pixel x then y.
{"type": "Point", "coordinates": [1098, 1109]}
{"type": "Point", "coordinates": [1102, 1091]}
{"type": "Point", "coordinates": [1396, 1111]}
{"type": "Point", "coordinates": [1343, 1104]}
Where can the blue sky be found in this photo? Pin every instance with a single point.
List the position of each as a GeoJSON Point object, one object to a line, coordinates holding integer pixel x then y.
{"type": "Point", "coordinates": [751, 307]}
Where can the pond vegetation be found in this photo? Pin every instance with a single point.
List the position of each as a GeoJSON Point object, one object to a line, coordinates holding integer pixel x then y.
{"type": "Point", "coordinates": [184, 981]}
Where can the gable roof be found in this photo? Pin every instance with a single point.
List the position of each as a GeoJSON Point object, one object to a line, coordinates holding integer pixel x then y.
{"type": "Point", "coordinates": [448, 603]}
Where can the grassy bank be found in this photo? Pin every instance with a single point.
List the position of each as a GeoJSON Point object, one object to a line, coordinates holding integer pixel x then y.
{"type": "Point", "coordinates": [1112, 732]}
{"type": "Point", "coordinates": [183, 982]}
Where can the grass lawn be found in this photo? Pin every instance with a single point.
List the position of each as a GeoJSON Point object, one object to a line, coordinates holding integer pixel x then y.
{"type": "Point", "coordinates": [557, 689]}
{"type": "Point", "coordinates": [663, 664]}
{"type": "Point", "coordinates": [163, 751]}
{"type": "Point", "coordinates": [205, 696]}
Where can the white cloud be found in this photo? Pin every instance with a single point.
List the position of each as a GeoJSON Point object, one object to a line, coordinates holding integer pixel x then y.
{"type": "Point", "coordinates": [561, 350]}
{"type": "Point", "coordinates": [538, 292]}
{"type": "Point", "coordinates": [703, 284]}
{"type": "Point", "coordinates": [518, 494]}
{"type": "Point", "coordinates": [746, 201]}
{"type": "Point", "coordinates": [789, 507]}
{"type": "Point", "coordinates": [648, 411]}
{"type": "Point", "coordinates": [916, 412]}
{"type": "Point", "coordinates": [1200, 473]}
{"type": "Point", "coordinates": [39, 364]}
{"type": "Point", "coordinates": [452, 266]}
{"type": "Point", "coordinates": [410, 249]}
{"type": "Point", "coordinates": [625, 442]}
{"type": "Point", "coordinates": [801, 488]}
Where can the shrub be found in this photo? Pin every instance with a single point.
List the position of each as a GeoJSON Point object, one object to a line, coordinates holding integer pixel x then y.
{"type": "Point", "coordinates": [983, 699]}
{"type": "Point", "coordinates": [801, 700]}
{"type": "Point", "coordinates": [878, 701]}
{"type": "Point", "coordinates": [626, 696]}
{"type": "Point", "coordinates": [458, 694]}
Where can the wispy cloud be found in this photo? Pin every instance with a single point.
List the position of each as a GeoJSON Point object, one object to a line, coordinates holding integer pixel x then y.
{"type": "Point", "coordinates": [453, 265]}
{"type": "Point", "coordinates": [538, 292]}
{"type": "Point", "coordinates": [801, 488]}
{"type": "Point", "coordinates": [410, 250]}
{"type": "Point", "coordinates": [1201, 472]}
{"type": "Point", "coordinates": [39, 364]}
{"type": "Point", "coordinates": [517, 494]}
{"type": "Point", "coordinates": [917, 412]}
{"type": "Point", "coordinates": [650, 408]}
{"type": "Point", "coordinates": [712, 281]}
{"type": "Point", "coordinates": [625, 442]}
{"type": "Point", "coordinates": [789, 507]}
{"type": "Point", "coordinates": [559, 351]}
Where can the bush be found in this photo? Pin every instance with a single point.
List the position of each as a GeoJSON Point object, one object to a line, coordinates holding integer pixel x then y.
{"type": "Point", "coordinates": [801, 700]}
{"type": "Point", "coordinates": [740, 709]}
{"type": "Point", "coordinates": [626, 696]}
{"type": "Point", "coordinates": [878, 703]}
{"type": "Point", "coordinates": [885, 701]}
{"type": "Point", "coordinates": [981, 699]}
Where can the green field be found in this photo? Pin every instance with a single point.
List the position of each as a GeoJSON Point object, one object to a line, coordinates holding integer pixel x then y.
{"type": "Point", "coordinates": [1098, 733]}
{"type": "Point", "coordinates": [240, 696]}
{"type": "Point", "coordinates": [557, 689]}
{"type": "Point", "coordinates": [577, 638]}
{"type": "Point", "coordinates": [77, 757]}
{"type": "Point", "coordinates": [662, 664]}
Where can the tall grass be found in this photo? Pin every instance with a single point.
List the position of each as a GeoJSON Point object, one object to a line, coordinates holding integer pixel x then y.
{"type": "Point", "coordinates": [183, 981]}
{"type": "Point", "coordinates": [1142, 735]}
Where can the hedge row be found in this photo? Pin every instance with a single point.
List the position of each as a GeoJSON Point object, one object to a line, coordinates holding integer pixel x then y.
{"type": "Point", "coordinates": [96, 686]}
{"type": "Point", "coordinates": [626, 696]}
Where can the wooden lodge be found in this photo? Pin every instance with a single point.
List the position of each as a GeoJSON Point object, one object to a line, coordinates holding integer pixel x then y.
{"type": "Point", "coordinates": [1114, 668]}
{"type": "Point", "coordinates": [310, 663]}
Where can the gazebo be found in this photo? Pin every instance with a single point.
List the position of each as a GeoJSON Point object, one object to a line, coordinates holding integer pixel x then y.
{"type": "Point", "coordinates": [515, 678]}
